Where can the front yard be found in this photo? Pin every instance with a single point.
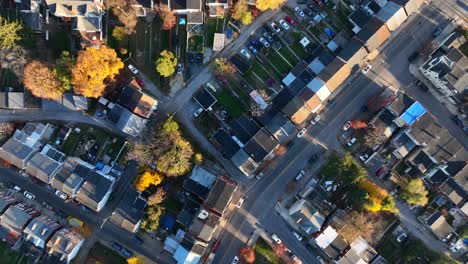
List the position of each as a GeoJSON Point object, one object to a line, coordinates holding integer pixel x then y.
{"type": "Point", "coordinates": [264, 253]}
{"type": "Point", "coordinates": [102, 254]}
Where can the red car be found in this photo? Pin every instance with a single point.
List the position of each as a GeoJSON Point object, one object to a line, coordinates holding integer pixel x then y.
{"type": "Point", "coordinates": [290, 20]}
{"type": "Point", "coordinates": [140, 82]}
{"type": "Point", "coordinates": [319, 2]}
{"type": "Point", "coordinates": [380, 172]}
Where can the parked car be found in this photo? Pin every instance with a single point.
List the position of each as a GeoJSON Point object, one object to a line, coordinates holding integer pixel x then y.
{"type": "Point", "coordinates": [316, 120]}
{"type": "Point", "coordinates": [253, 49]}
{"type": "Point", "coordinates": [395, 190]}
{"type": "Point", "coordinates": [351, 142]}
{"type": "Point", "coordinates": [275, 27]}
{"type": "Point", "coordinates": [299, 11]}
{"type": "Point", "coordinates": [235, 260]}
{"type": "Point", "coordinates": [422, 86]}
{"type": "Point", "coordinates": [364, 157]}
{"type": "Point", "coordinates": [267, 36]}
{"type": "Point", "coordinates": [308, 11]}
{"type": "Point", "coordinates": [380, 172]}
{"type": "Point", "coordinates": [17, 188]}
{"type": "Point", "coordinates": [290, 20]}
{"type": "Point", "coordinates": [298, 237]}
{"type": "Point", "coordinates": [300, 175]}
{"type": "Point", "coordinates": [198, 112]}
{"type": "Point", "coordinates": [265, 42]}
{"type": "Point", "coordinates": [296, 259]}
{"type": "Point", "coordinates": [301, 133]}
{"type": "Point", "coordinates": [366, 69]}
{"type": "Point", "coordinates": [284, 24]}
{"type": "Point", "coordinates": [61, 195]}
{"type": "Point", "coordinates": [276, 239]}
{"type": "Point", "coordinates": [402, 237]}
{"type": "Point", "coordinates": [179, 68]}
{"type": "Point", "coordinates": [191, 58]}
{"type": "Point", "coordinates": [137, 239]}
{"type": "Point", "coordinates": [320, 259]}
{"type": "Point", "coordinates": [199, 58]}
{"type": "Point", "coordinates": [140, 82]}
{"type": "Point", "coordinates": [319, 3]}
{"type": "Point", "coordinates": [457, 120]}
{"type": "Point", "coordinates": [240, 202]}
{"type": "Point", "coordinates": [133, 69]}
{"type": "Point", "coordinates": [29, 195]}
{"type": "Point", "coordinates": [245, 53]}
{"type": "Point", "coordinates": [116, 246]}
{"type": "Point", "coordinates": [126, 253]}
{"type": "Point", "coordinates": [347, 126]}
{"type": "Point", "coordinates": [436, 33]}
{"type": "Point", "coordinates": [259, 176]}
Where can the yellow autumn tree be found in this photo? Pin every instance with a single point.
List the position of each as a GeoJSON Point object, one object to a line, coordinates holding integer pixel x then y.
{"type": "Point", "coordinates": [147, 178]}
{"type": "Point", "coordinates": [268, 4]}
{"type": "Point", "coordinates": [166, 63]}
{"type": "Point", "coordinates": [135, 260]}
{"type": "Point", "coordinates": [93, 69]}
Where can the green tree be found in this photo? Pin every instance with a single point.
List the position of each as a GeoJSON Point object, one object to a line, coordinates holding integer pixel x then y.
{"type": "Point", "coordinates": [63, 70]}
{"type": "Point", "coordinates": [119, 33]}
{"type": "Point", "coordinates": [169, 126]}
{"type": "Point", "coordinates": [415, 192]}
{"type": "Point", "coordinates": [9, 33]}
{"type": "Point", "coordinates": [388, 205]}
{"type": "Point", "coordinates": [151, 219]}
{"type": "Point", "coordinates": [166, 63]}
{"type": "Point", "coordinates": [222, 66]}
{"type": "Point", "coordinates": [242, 12]}
{"type": "Point", "coordinates": [177, 160]}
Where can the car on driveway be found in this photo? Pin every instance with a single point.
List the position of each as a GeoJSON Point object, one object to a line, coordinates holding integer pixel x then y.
{"type": "Point", "coordinates": [245, 53]}
{"type": "Point", "coordinates": [133, 69]}
{"type": "Point", "coordinates": [17, 188]}
{"type": "Point", "coordinates": [199, 58]}
{"type": "Point", "coordinates": [197, 112]}
{"type": "Point", "coordinates": [457, 120]}
{"type": "Point", "coordinates": [140, 82]}
{"type": "Point", "coordinates": [265, 42]}
{"type": "Point", "coordinates": [402, 237]}
{"type": "Point", "coordinates": [29, 195]}
{"type": "Point", "coordinates": [290, 20]}
{"type": "Point", "coordinates": [351, 142]}
{"type": "Point", "coordinates": [299, 11]}
{"type": "Point", "coordinates": [275, 27]}
{"type": "Point", "coordinates": [180, 68]}
{"type": "Point", "coordinates": [301, 133]}
{"type": "Point", "coordinates": [297, 236]}
{"type": "Point", "coordinates": [366, 69]}
{"type": "Point", "coordinates": [284, 24]}
{"type": "Point", "coordinates": [116, 246]}
{"type": "Point", "coordinates": [276, 239]}
{"type": "Point", "coordinates": [267, 36]}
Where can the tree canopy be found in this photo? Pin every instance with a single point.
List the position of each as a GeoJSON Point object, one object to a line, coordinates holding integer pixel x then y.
{"type": "Point", "coordinates": [9, 33]}
{"type": "Point", "coordinates": [124, 10]}
{"type": "Point", "coordinates": [63, 70]}
{"type": "Point", "coordinates": [166, 63]}
{"type": "Point", "coordinates": [242, 12]}
{"type": "Point", "coordinates": [157, 197]}
{"type": "Point", "coordinates": [93, 68]}
{"type": "Point", "coordinates": [41, 81]}
{"type": "Point", "coordinates": [135, 260]}
{"type": "Point", "coordinates": [168, 17]}
{"type": "Point", "coordinates": [247, 255]}
{"type": "Point", "coordinates": [222, 66]}
{"type": "Point", "coordinates": [151, 220]}
{"type": "Point", "coordinates": [415, 192]}
{"type": "Point", "coordinates": [263, 5]}
{"type": "Point", "coordinates": [147, 178]}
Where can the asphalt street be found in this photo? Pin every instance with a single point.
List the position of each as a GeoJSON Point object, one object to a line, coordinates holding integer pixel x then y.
{"type": "Point", "coordinates": [259, 207]}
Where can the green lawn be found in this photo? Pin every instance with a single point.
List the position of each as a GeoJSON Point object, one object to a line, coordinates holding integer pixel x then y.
{"type": "Point", "coordinates": [214, 25]}
{"type": "Point", "coordinates": [260, 71]}
{"type": "Point", "coordinates": [389, 248]}
{"type": "Point", "coordinates": [278, 62]}
{"type": "Point", "coordinates": [231, 103]}
{"type": "Point", "coordinates": [113, 147]}
{"type": "Point", "coordinates": [172, 205]}
{"type": "Point", "coordinates": [105, 255]}
{"type": "Point", "coordinates": [9, 256]}
{"type": "Point", "coordinates": [289, 55]}
{"type": "Point", "coordinates": [70, 144]}
{"type": "Point", "coordinates": [264, 253]}
{"type": "Point", "coordinates": [296, 47]}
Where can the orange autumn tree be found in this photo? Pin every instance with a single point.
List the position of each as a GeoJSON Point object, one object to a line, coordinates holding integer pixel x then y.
{"type": "Point", "coordinates": [247, 255]}
{"type": "Point", "coordinates": [168, 17]}
{"type": "Point", "coordinates": [41, 81]}
{"type": "Point", "coordinates": [358, 124]}
{"type": "Point", "coordinates": [147, 178]}
{"type": "Point", "coordinates": [93, 69]}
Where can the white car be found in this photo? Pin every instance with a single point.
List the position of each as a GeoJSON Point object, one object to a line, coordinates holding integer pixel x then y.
{"type": "Point", "coordinates": [320, 259]}
{"type": "Point", "coordinates": [246, 54]}
{"type": "Point", "coordinates": [17, 188]}
{"type": "Point", "coordinates": [275, 27]}
{"type": "Point", "coordinates": [316, 120]}
{"type": "Point", "coordinates": [364, 157]}
{"type": "Point", "coordinates": [197, 112]}
{"type": "Point", "coordinates": [299, 11]}
{"type": "Point", "coordinates": [133, 69]}
{"type": "Point", "coordinates": [265, 42]}
{"type": "Point", "coordinates": [284, 24]}
{"type": "Point", "coordinates": [180, 68]}
{"type": "Point", "coordinates": [301, 133]}
{"type": "Point", "coordinates": [29, 195]}
{"type": "Point", "coordinates": [402, 237]}
{"type": "Point", "coordinates": [296, 260]}
{"type": "Point", "coordinates": [259, 176]}
{"type": "Point", "coordinates": [61, 195]}
{"type": "Point", "coordinates": [300, 175]}
{"type": "Point", "coordinates": [347, 126]}
{"type": "Point", "coordinates": [299, 237]}
{"type": "Point", "coordinates": [240, 202]}
{"type": "Point", "coordinates": [351, 142]}
{"type": "Point", "coordinates": [235, 260]}
{"type": "Point", "coordinates": [276, 239]}
{"type": "Point", "coordinates": [366, 69]}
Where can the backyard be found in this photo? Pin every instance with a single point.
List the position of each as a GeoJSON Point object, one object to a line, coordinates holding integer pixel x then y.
{"type": "Point", "coordinates": [230, 102]}
{"type": "Point", "coordinates": [102, 254]}
{"type": "Point", "coordinates": [9, 256]}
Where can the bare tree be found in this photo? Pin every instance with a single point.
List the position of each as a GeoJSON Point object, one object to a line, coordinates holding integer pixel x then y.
{"type": "Point", "coordinates": [14, 59]}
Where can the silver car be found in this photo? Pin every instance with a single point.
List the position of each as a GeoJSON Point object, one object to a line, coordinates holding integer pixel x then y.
{"type": "Point", "coordinates": [265, 42]}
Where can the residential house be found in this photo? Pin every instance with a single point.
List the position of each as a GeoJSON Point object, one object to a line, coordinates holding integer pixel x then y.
{"type": "Point", "coordinates": [373, 35]}
{"type": "Point", "coordinates": [205, 99]}
{"type": "Point", "coordinates": [200, 182]}
{"type": "Point", "coordinates": [296, 110]}
{"type": "Point", "coordinates": [204, 225]}
{"type": "Point", "coordinates": [5, 201]}
{"type": "Point", "coordinates": [439, 225]}
{"type": "Point", "coordinates": [243, 129]}
{"type": "Point", "coordinates": [96, 189]}
{"type": "Point", "coordinates": [129, 211]}
{"type": "Point", "coordinates": [359, 252]}
{"type": "Point", "coordinates": [410, 6]}
{"type": "Point", "coordinates": [277, 124]}
{"type": "Point", "coordinates": [384, 121]}
{"type": "Point", "coordinates": [359, 19]}
{"type": "Point", "coordinates": [45, 165]}
{"type": "Point", "coordinates": [307, 218]}
{"type": "Point", "coordinates": [320, 90]}
{"type": "Point", "coordinates": [454, 192]}
{"type": "Point", "coordinates": [21, 147]}
{"type": "Point", "coordinates": [126, 121]}
{"type": "Point", "coordinates": [70, 177]}
{"type": "Point", "coordinates": [335, 74]}
{"type": "Point", "coordinates": [393, 15]}
{"type": "Point", "coordinates": [40, 230]}
{"type": "Point", "coordinates": [244, 162]}
{"type": "Point", "coordinates": [372, 7]}
{"type": "Point", "coordinates": [188, 212]}
{"type": "Point", "coordinates": [137, 102]}
{"type": "Point", "coordinates": [447, 68]}
{"type": "Point", "coordinates": [185, 249]}
{"type": "Point", "coordinates": [322, 59]}
{"type": "Point", "coordinates": [296, 71]}
{"type": "Point", "coordinates": [185, 6]}
{"type": "Point", "coordinates": [217, 8]}
{"type": "Point", "coordinates": [354, 54]}
{"type": "Point", "coordinates": [419, 162]}
{"type": "Point", "coordinates": [331, 243]}
{"type": "Point", "coordinates": [220, 195]}
{"type": "Point", "coordinates": [15, 219]}
{"type": "Point", "coordinates": [224, 143]}
{"type": "Point", "coordinates": [261, 146]}
{"type": "Point", "coordinates": [64, 245]}
{"type": "Point", "coordinates": [30, 12]}
{"type": "Point", "coordinates": [85, 15]}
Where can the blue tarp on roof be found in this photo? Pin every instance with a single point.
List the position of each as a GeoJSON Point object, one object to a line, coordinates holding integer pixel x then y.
{"type": "Point", "coordinates": [415, 111]}
{"type": "Point", "coordinates": [167, 221]}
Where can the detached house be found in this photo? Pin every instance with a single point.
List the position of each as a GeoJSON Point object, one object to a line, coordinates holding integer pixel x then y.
{"type": "Point", "coordinates": [220, 196]}
{"type": "Point", "coordinates": [64, 246]}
